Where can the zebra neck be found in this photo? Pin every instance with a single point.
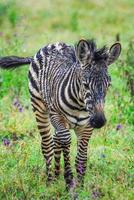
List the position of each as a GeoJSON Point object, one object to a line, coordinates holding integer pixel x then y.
{"type": "Point", "coordinates": [77, 86]}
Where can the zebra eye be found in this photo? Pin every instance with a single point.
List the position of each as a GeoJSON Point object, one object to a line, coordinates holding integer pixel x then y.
{"type": "Point", "coordinates": [90, 102]}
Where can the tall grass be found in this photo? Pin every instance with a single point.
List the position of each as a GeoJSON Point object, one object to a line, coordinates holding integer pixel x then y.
{"type": "Point", "coordinates": [25, 27]}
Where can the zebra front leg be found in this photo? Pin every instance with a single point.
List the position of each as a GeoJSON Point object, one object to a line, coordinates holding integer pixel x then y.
{"type": "Point", "coordinates": [43, 123]}
{"type": "Point", "coordinates": [64, 139]}
{"type": "Point", "coordinates": [81, 158]}
{"type": "Point", "coordinates": [57, 155]}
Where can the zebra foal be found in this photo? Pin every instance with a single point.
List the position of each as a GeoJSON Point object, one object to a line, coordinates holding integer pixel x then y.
{"type": "Point", "coordinates": [68, 86]}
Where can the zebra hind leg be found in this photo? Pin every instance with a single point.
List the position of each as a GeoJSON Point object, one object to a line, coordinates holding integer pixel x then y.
{"type": "Point", "coordinates": [43, 124]}
{"type": "Point", "coordinates": [57, 155]}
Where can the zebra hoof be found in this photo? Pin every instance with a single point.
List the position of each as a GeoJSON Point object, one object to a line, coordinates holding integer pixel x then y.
{"type": "Point", "coordinates": [70, 186]}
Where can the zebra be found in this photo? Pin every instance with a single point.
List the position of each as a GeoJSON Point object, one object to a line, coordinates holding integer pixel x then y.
{"type": "Point", "coordinates": [68, 86]}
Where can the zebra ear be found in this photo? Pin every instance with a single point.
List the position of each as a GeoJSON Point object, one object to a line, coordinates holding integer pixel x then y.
{"type": "Point", "coordinates": [83, 52]}
{"type": "Point", "coordinates": [114, 53]}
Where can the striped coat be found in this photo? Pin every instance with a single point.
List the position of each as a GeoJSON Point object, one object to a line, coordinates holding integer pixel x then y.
{"type": "Point", "coordinates": [68, 85]}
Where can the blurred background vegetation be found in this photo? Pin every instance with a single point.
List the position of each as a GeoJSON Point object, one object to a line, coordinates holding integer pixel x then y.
{"type": "Point", "coordinates": [26, 26]}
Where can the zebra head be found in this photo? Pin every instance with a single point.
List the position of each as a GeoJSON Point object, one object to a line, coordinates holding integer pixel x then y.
{"type": "Point", "coordinates": [95, 79]}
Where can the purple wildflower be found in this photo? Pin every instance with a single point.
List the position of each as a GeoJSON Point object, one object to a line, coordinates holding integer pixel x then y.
{"type": "Point", "coordinates": [6, 142]}
{"type": "Point", "coordinates": [118, 127]}
{"type": "Point", "coordinates": [20, 109]}
{"type": "Point", "coordinates": [15, 102]}
{"type": "Point", "coordinates": [95, 194]}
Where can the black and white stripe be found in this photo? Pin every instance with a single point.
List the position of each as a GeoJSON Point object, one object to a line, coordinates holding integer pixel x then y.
{"type": "Point", "coordinates": [67, 85]}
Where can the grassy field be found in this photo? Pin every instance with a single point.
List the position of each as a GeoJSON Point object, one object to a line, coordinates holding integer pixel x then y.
{"type": "Point", "coordinates": [25, 26]}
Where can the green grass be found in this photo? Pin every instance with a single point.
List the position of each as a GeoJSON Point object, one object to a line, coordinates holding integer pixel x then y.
{"type": "Point", "coordinates": [25, 27]}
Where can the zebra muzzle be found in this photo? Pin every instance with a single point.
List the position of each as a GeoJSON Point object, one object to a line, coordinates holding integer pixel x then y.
{"type": "Point", "coordinates": [98, 120]}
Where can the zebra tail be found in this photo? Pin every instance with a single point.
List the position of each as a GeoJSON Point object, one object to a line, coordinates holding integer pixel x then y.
{"type": "Point", "coordinates": [12, 62]}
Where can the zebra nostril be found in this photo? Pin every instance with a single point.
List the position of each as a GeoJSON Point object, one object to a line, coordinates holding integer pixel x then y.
{"type": "Point", "coordinates": [98, 120]}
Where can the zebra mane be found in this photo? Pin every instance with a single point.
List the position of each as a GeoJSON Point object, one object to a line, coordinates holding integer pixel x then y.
{"type": "Point", "coordinates": [98, 54]}
{"type": "Point", "coordinates": [101, 54]}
